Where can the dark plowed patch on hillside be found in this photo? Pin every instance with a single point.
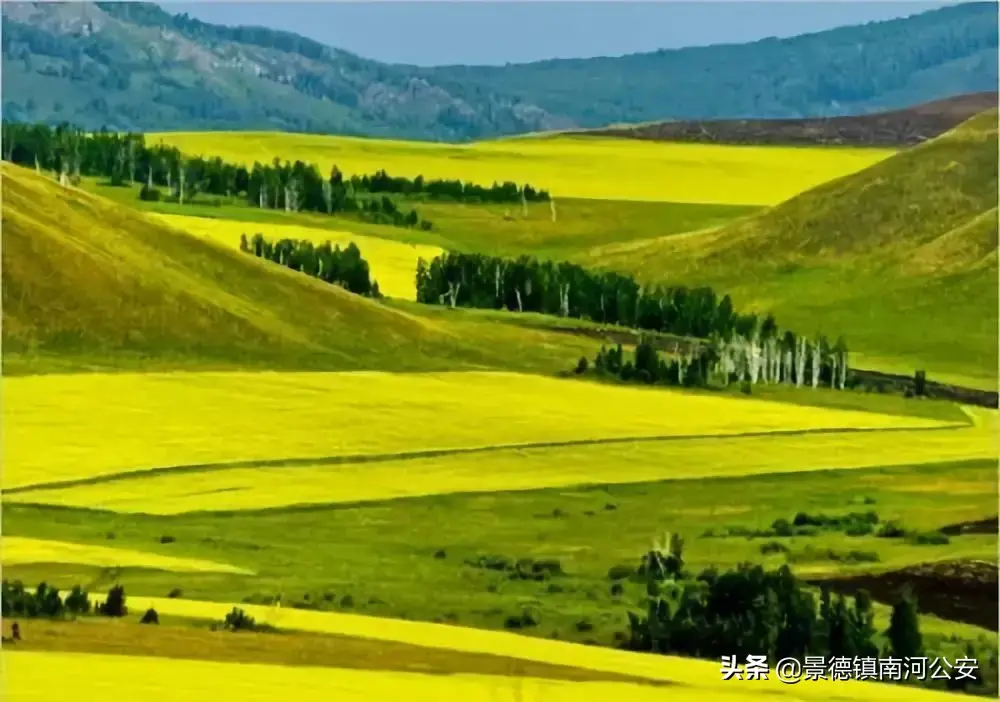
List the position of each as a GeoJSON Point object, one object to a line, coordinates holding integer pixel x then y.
{"type": "Point", "coordinates": [906, 127]}
{"type": "Point", "coordinates": [990, 525]}
{"type": "Point", "coordinates": [962, 591]}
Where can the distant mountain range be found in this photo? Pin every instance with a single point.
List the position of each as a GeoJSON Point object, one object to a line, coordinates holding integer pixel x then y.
{"type": "Point", "coordinates": [135, 66]}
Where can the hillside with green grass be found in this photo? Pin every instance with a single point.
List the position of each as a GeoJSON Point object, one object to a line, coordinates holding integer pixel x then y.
{"type": "Point", "coordinates": [92, 284]}
{"type": "Point", "coordinates": [901, 258]}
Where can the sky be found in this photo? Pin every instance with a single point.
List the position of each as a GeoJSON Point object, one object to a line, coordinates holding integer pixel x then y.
{"type": "Point", "coordinates": [480, 32]}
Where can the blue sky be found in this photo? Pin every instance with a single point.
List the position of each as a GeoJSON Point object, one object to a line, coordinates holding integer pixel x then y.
{"type": "Point", "coordinates": [494, 33]}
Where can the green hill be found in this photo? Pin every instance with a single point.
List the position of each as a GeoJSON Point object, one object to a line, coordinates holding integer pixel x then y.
{"type": "Point", "coordinates": [91, 284]}
{"type": "Point", "coordinates": [136, 66]}
{"type": "Point", "coordinates": [900, 257]}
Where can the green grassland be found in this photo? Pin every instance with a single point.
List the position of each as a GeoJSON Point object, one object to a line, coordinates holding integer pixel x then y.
{"type": "Point", "coordinates": [901, 258]}
{"type": "Point", "coordinates": [134, 294]}
{"type": "Point", "coordinates": [502, 229]}
{"type": "Point", "coordinates": [567, 166]}
{"type": "Point", "coordinates": [407, 558]}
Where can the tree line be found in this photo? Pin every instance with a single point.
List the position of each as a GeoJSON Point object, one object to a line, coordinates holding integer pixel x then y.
{"type": "Point", "coordinates": [126, 159]}
{"type": "Point", "coordinates": [738, 345]}
{"type": "Point", "coordinates": [345, 267]}
{"type": "Point", "coordinates": [752, 611]}
{"type": "Point", "coordinates": [527, 284]}
{"type": "Point", "coordinates": [764, 357]}
{"type": "Point", "coordinates": [508, 191]}
{"type": "Point", "coordinates": [47, 601]}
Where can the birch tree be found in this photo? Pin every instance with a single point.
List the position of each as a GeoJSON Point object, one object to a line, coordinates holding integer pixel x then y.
{"type": "Point", "coordinates": [817, 361]}
{"type": "Point", "coordinates": [800, 361]}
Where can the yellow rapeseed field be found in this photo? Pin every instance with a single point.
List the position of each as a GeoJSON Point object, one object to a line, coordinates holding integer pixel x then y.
{"type": "Point", "coordinates": [584, 167]}
{"type": "Point", "coordinates": [29, 675]}
{"type": "Point", "coordinates": [63, 427]}
{"type": "Point", "coordinates": [393, 264]}
{"type": "Point", "coordinates": [16, 550]}
{"type": "Point", "coordinates": [521, 469]}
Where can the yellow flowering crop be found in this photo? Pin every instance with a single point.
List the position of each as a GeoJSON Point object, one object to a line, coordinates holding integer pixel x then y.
{"type": "Point", "coordinates": [567, 166]}
{"type": "Point", "coordinates": [63, 427]}
{"type": "Point", "coordinates": [16, 550]}
{"type": "Point", "coordinates": [393, 264]}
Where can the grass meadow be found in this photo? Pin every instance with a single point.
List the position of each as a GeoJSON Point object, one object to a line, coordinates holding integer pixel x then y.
{"type": "Point", "coordinates": [415, 558]}
{"type": "Point", "coordinates": [567, 166]}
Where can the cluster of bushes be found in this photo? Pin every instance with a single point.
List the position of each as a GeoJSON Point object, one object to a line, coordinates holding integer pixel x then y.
{"type": "Point", "coordinates": [850, 524]}
{"type": "Point", "coordinates": [812, 554]}
{"type": "Point", "coordinates": [345, 267]}
{"type": "Point", "coordinates": [519, 568]}
{"type": "Point", "coordinates": [749, 610]}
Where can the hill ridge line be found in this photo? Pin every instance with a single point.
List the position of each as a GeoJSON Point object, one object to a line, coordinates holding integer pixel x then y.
{"type": "Point", "coordinates": [352, 459]}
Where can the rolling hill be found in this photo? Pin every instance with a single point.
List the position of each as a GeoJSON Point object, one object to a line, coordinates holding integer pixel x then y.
{"type": "Point", "coordinates": [901, 258]}
{"type": "Point", "coordinates": [91, 284]}
{"type": "Point", "coordinates": [135, 66]}
{"type": "Point", "coordinates": [894, 128]}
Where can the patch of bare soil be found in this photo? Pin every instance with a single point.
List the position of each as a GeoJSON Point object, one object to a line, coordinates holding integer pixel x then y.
{"type": "Point", "coordinates": [962, 591]}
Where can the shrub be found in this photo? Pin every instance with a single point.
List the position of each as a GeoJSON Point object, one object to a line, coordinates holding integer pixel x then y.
{"type": "Point", "coordinates": [493, 562]}
{"type": "Point", "coordinates": [175, 593]}
{"type": "Point", "coordinates": [745, 388]}
{"type": "Point", "coordinates": [167, 539]}
{"type": "Point", "coordinates": [584, 625]}
{"type": "Point", "coordinates": [347, 602]}
{"type": "Point", "coordinates": [149, 194]}
{"type": "Point", "coordinates": [440, 554]}
{"type": "Point", "coordinates": [554, 588]}
{"type": "Point", "coordinates": [891, 530]}
{"type": "Point", "coordinates": [781, 527]}
{"type": "Point", "coordinates": [617, 590]}
{"type": "Point", "coordinates": [773, 547]}
{"type": "Point", "coordinates": [859, 529]}
{"type": "Point", "coordinates": [150, 617]}
{"type": "Point", "coordinates": [238, 620]}
{"type": "Point", "coordinates": [621, 572]}
{"type": "Point", "coordinates": [932, 538]}
{"type": "Point", "coordinates": [582, 365]}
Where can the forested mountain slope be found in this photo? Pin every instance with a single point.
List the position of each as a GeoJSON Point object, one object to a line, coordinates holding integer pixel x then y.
{"type": "Point", "coordinates": [135, 66]}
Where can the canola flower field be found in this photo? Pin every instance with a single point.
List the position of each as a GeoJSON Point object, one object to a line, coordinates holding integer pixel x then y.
{"type": "Point", "coordinates": [256, 488]}
{"type": "Point", "coordinates": [566, 165]}
{"type": "Point", "coordinates": [62, 427]}
{"type": "Point", "coordinates": [17, 550]}
{"type": "Point", "coordinates": [393, 264]}
{"type": "Point", "coordinates": [28, 675]}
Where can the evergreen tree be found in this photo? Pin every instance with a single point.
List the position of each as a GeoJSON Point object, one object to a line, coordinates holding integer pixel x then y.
{"type": "Point", "coordinates": [904, 627]}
